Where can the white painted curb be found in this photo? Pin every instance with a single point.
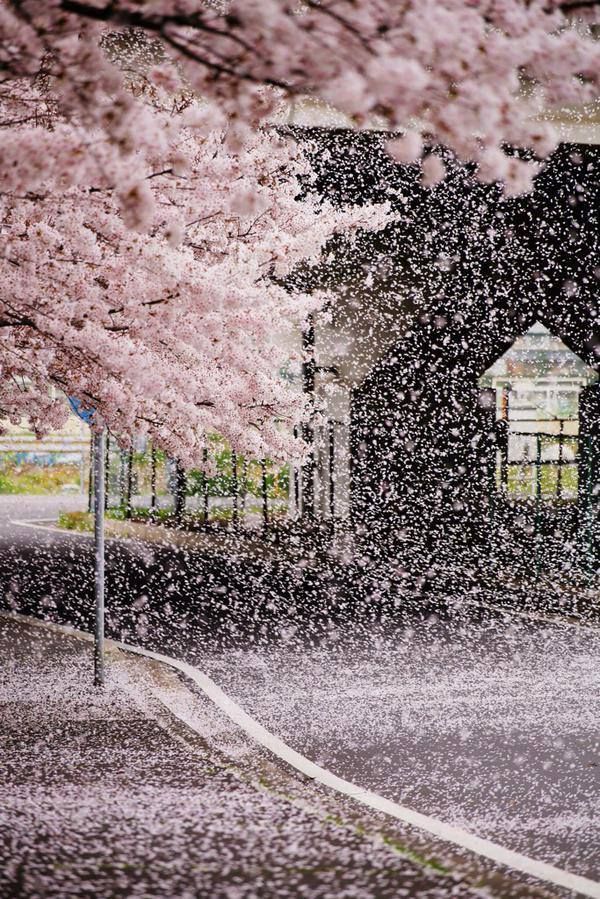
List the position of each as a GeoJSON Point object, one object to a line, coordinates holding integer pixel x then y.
{"type": "Point", "coordinates": [446, 832]}
{"type": "Point", "coordinates": [35, 525]}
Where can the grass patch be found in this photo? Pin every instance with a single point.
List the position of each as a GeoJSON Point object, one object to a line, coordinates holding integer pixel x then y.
{"type": "Point", "coordinates": [421, 860]}
{"type": "Point", "coordinates": [38, 479]}
{"type": "Point", "coordinates": [76, 521]}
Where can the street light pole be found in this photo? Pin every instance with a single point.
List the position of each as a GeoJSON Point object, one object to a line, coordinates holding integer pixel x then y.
{"type": "Point", "coordinates": [98, 446]}
{"type": "Point", "coordinates": [99, 490]}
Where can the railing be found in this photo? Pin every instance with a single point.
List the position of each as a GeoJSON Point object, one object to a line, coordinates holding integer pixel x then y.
{"type": "Point", "coordinates": [533, 476]}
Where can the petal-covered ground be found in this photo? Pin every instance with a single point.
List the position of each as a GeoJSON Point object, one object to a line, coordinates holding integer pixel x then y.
{"type": "Point", "coordinates": [494, 727]}
{"type": "Point", "coordinates": [99, 799]}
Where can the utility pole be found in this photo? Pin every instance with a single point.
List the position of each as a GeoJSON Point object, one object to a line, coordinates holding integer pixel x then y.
{"type": "Point", "coordinates": [106, 470]}
{"type": "Point", "coordinates": [97, 470]}
{"type": "Point", "coordinates": [99, 494]}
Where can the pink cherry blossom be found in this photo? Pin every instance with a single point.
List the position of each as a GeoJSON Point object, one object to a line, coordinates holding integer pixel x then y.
{"type": "Point", "coordinates": [433, 170]}
{"type": "Point", "coordinates": [148, 217]}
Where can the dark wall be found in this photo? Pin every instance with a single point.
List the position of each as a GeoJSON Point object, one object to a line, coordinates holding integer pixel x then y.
{"type": "Point", "coordinates": [482, 269]}
{"type": "Point", "coordinates": [422, 434]}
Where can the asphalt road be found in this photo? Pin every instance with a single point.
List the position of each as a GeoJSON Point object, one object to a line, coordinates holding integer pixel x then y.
{"type": "Point", "coordinates": [493, 725]}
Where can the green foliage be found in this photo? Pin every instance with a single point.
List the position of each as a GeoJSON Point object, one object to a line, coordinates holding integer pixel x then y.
{"type": "Point", "coordinates": [118, 513]}
{"type": "Point", "coordinates": [521, 480]}
{"type": "Point", "coordinates": [76, 521]}
{"type": "Point", "coordinates": [28, 478]}
{"type": "Point", "coordinates": [249, 472]}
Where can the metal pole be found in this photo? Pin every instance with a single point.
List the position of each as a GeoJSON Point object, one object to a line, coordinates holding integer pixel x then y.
{"type": "Point", "coordinates": [99, 487]}
{"type": "Point", "coordinates": [153, 478]}
{"type": "Point", "coordinates": [106, 470]}
{"type": "Point", "coordinates": [559, 491]}
{"type": "Point", "coordinates": [264, 493]}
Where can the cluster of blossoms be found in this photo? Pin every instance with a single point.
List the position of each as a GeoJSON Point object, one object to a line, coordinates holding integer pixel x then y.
{"type": "Point", "coordinates": [143, 254]}
{"type": "Point", "coordinates": [154, 301]}
{"type": "Point", "coordinates": [147, 222]}
{"type": "Point", "coordinates": [470, 74]}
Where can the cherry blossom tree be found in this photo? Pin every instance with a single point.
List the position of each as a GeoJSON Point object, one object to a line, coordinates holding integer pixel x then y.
{"type": "Point", "coordinates": [471, 74]}
{"type": "Point", "coordinates": [143, 255]}
{"type": "Point", "coordinates": [155, 301]}
{"type": "Point", "coordinates": [148, 216]}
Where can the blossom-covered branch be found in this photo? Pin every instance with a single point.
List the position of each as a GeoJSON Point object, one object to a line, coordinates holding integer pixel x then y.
{"type": "Point", "coordinates": [470, 74]}
{"type": "Point", "coordinates": [147, 282]}
{"type": "Point", "coordinates": [148, 218]}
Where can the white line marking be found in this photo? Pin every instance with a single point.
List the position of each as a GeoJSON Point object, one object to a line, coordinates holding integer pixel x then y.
{"type": "Point", "coordinates": [446, 832]}
{"type": "Point", "coordinates": [33, 524]}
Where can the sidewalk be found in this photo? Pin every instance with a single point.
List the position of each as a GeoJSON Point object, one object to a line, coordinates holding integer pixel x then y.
{"type": "Point", "coordinates": [111, 793]}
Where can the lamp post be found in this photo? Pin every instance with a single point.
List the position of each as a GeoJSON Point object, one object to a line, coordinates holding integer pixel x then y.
{"type": "Point", "coordinates": [98, 449]}
{"type": "Point", "coordinates": [99, 441]}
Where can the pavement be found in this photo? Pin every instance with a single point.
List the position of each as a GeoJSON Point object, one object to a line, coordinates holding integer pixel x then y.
{"type": "Point", "coordinates": [490, 724]}
{"type": "Point", "coordinates": [152, 587]}
{"type": "Point", "coordinates": [494, 728]}
{"type": "Point", "coordinates": [144, 789]}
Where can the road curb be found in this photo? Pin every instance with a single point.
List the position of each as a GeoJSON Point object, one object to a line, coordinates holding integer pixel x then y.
{"type": "Point", "coordinates": [447, 833]}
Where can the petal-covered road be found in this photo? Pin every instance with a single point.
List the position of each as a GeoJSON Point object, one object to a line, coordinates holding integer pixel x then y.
{"type": "Point", "coordinates": [494, 726]}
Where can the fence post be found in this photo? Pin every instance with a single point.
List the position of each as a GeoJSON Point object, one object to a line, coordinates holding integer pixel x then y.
{"type": "Point", "coordinates": [153, 478]}
{"type": "Point", "coordinates": [205, 496]}
{"type": "Point", "coordinates": [129, 482]}
{"type": "Point", "coordinates": [308, 386]}
{"type": "Point", "coordinates": [179, 492]}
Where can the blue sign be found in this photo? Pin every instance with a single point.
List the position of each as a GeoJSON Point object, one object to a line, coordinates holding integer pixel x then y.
{"type": "Point", "coordinates": [85, 415]}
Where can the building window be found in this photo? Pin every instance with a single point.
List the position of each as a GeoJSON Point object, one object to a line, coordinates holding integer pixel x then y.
{"type": "Point", "coordinates": [538, 383]}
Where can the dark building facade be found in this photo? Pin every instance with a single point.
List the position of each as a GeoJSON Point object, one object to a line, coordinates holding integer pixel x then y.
{"type": "Point", "coordinates": [424, 308]}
